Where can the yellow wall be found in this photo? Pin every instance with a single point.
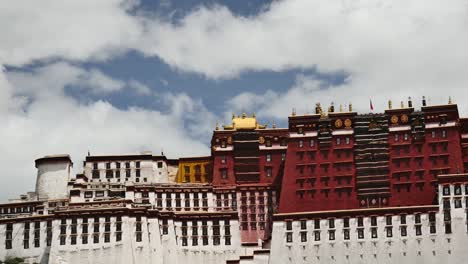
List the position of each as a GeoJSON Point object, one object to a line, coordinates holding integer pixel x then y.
{"type": "Point", "coordinates": [203, 175]}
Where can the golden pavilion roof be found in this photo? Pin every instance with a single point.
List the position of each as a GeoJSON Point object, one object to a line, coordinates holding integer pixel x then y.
{"type": "Point", "coordinates": [244, 122]}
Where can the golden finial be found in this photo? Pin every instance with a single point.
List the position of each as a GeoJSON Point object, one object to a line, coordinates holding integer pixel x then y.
{"type": "Point", "coordinates": [402, 104]}
{"type": "Point", "coordinates": [318, 109]}
{"type": "Point", "coordinates": [293, 112]}
{"type": "Point", "coordinates": [350, 107]}
{"type": "Point", "coordinates": [341, 108]}
{"type": "Point", "coordinates": [273, 125]}
{"type": "Point", "coordinates": [244, 115]}
{"type": "Point", "coordinates": [253, 115]}
{"type": "Point", "coordinates": [217, 125]}
{"type": "Point", "coordinates": [389, 104]}
{"type": "Point", "coordinates": [450, 100]}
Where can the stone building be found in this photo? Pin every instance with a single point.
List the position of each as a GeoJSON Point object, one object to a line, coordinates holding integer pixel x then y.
{"type": "Point", "coordinates": [335, 187]}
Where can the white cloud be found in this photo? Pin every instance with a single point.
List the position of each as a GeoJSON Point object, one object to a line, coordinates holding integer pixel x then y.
{"type": "Point", "coordinates": [52, 122]}
{"type": "Point", "coordinates": [139, 87]}
{"type": "Point", "coordinates": [390, 50]}
{"type": "Point", "coordinates": [76, 30]}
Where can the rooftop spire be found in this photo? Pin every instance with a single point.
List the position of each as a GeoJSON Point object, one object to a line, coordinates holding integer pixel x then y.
{"type": "Point", "coordinates": [424, 100]}
{"type": "Point", "coordinates": [450, 100]}
{"type": "Point", "coordinates": [410, 102]}
{"type": "Point", "coordinates": [389, 104]}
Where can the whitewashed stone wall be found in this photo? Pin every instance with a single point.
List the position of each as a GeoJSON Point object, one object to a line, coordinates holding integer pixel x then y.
{"type": "Point", "coordinates": [154, 247]}
{"type": "Point", "coordinates": [52, 179]}
{"type": "Point", "coordinates": [438, 247]}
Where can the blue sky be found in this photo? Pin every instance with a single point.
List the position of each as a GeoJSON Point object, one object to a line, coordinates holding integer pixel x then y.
{"type": "Point", "coordinates": [125, 76]}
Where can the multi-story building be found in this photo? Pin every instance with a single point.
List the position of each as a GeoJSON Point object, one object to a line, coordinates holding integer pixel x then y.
{"type": "Point", "coordinates": [335, 187]}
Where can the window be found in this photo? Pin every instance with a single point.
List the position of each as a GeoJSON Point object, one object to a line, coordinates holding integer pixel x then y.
{"type": "Point", "coordinates": [268, 142]}
{"type": "Point", "coordinates": [63, 240]}
{"type": "Point", "coordinates": [331, 223]}
{"type": "Point", "coordinates": [268, 157]}
{"type": "Point", "coordinates": [303, 236]}
{"type": "Point", "coordinates": [303, 224]}
{"type": "Point", "coordinates": [360, 221]}
{"type": "Point", "coordinates": [403, 219]}
{"type": "Point", "coordinates": [447, 216]}
{"type": "Point", "coordinates": [338, 141]}
{"type": "Point", "coordinates": [432, 229]}
{"type": "Point", "coordinates": [432, 217]}
{"type": "Point", "coordinates": [283, 156]}
{"type": "Point", "coordinates": [346, 222]}
{"type": "Point", "coordinates": [346, 234]}
{"type": "Point", "coordinates": [448, 228]}
{"type": "Point", "coordinates": [444, 134]}
{"type": "Point", "coordinates": [418, 230]}
{"type": "Point", "coordinates": [433, 134]}
{"type": "Point", "coordinates": [224, 173]}
{"type": "Point", "coordinates": [446, 190]}
{"type": "Point", "coordinates": [403, 231]}
{"type": "Point", "coordinates": [360, 233]}
{"type": "Point", "coordinates": [388, 220]}
{"type": "Point", "coordinates": [457, 203]}
{"type": "Point", "coordinates": [373, 221]}
{"type": "Point", "coordinates": [160, 164]}
{"type": "Point", "coordinates": [289, 225]}
{"type": "Point", "coordinates": [396, 137]}
{"type": "Point", "coordinates": [317, 235]}
{"type": "Point", "coordinates": [417, 218]}
{"type": "Point", "coordinates": [317, 223]}
{"type": "Point", "coordinates": [457, 189]}
{"type": "Point", "coordinates": [301, 143]}
{"type": "Point", "coordinates": [331, 235]}
{"type": "Point", "coordinates": [137, 164]}
{"type": "Point", "coordinates": [138, 173]}
{"type": "Point", "coordinates": [227, 240]}
{"type": "Point", "coordinates": [268, 172]}
{"type": "Point", "coordinates": [389, 231]}
{"type": "Point", "coordinates": [289, 237]}
{"type": "Point", "coordinates": [374, 232]}
{"type": "Point", "coordinates": [405, 137]}
{"type": "Point", "coordinates": [312, 142]}
{"type": "Point", "coordinates": [88, 194]}
{"type": "Point", "coordinates": [223, 159]}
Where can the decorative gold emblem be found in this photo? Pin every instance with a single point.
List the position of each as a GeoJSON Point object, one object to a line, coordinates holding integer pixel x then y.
{"type": "Point", "coordinates": [348, 123]}
{"type": "Point", "coordinates": [229, 140]}
{"type": "Point", "coordinates": [404, 119]}
{"type": "Point", "coordinates": [261, 140]}
{"type": "Point", "coordinates": [394, 119]}
{"type": "Point", "coordinates": [338, 123]}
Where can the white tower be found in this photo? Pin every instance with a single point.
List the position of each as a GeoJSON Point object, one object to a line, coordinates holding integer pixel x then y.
{"type": "Point", "coordinates": [53, 174]}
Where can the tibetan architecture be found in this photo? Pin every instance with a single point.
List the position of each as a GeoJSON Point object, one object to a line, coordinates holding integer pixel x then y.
{"type": "Point", "coordinates": [335, 186]}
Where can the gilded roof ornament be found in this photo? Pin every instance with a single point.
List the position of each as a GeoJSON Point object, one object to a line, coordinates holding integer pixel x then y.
{"type": "Point", "coordinates": [450, 100]}
{"type": "Point", "coordinates": [350, 107]}
{"type": "Point", "coordinates": [389, 104]}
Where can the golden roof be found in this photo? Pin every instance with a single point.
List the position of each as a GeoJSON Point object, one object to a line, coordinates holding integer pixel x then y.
{"type": "Point", "coordinates": [244, 123]}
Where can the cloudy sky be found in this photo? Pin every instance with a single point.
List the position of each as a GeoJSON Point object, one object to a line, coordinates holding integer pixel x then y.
{"type": "Point", "coordinates": [125, 76]}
